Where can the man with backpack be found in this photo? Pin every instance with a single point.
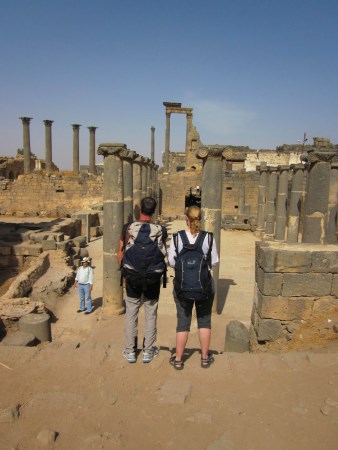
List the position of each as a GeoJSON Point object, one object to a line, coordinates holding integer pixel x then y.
{"type": "Point", "coordinates": [142, 254]}
{"type": "Point", "coordinates": [192, 253]}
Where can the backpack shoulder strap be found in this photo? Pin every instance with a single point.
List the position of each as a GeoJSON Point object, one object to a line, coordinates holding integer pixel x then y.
{"type": "Point", "coordinates": [184, 237]}
{"type": "Point", "coordinates": [200, 239]}
{"type": "Point", "coordinates": [125, 232]}
{"type": "Point", "coordinates": [210, 242]}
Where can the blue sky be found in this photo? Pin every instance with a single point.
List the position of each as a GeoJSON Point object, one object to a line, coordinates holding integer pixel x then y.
{"type": "Point", "coordinates": [256, 72]}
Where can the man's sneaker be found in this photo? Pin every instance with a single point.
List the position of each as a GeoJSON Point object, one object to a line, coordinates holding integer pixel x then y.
{"type": "Point", "coordinates": [131, 357]}
{"type": "Point", "coordinates": [149, 356]}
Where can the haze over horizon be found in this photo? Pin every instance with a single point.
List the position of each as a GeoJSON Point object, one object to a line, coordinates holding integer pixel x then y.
{"type": "Point", "coordinates": [257, 73]}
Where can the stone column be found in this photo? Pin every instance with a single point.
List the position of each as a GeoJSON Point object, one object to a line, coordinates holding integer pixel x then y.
{"type": "Point", "coordinates": [167, 143]}
{"type": "Point", "coordinates": [211, 203]}
{"type": "Point", "coordinates": [144, 177]}
{"type": "Point", "coordinates": [137, 185]}
{"type": "Point", "coordinates": [152, 153]}
{"type": "Point", "coordinates": [281, 207]}
{"type": "Point", "coordinates": [188, 133]}
{"type": "Point", "coordinates": [263, 179]}
{"type": "Point", "coordinates": [76, 149]}
{"type": "Point", "coordinates": [271, 202]}
{"type": "Point", "coordinates": [92, 167]}
{"type": "Point", "coordinates": [320, 201]}
{"type": "Point", "coordinates": [26, 145]}
{"type": "Point", "coordinates": [128, 156]}
{"type": "Point", "coordinates": [150, 178]}
{"type": "Point", "coordinates": [112, 223]}
{"type": "Point", "coordinates": [331, 227]}
{"type": "Point", "coordinates": [295, 203]}
{"type": "Point", "coordinates": [241, 194]}
{"type": "Point", "coordinates": [48, 144]}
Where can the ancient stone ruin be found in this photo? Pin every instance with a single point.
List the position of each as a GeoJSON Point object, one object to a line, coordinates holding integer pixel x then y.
{"type": "Point", "coordinates": [286, 196]}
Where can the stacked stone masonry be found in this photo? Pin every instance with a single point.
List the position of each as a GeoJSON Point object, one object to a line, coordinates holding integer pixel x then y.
{"type": "Point", "coordinates": [293, 283]}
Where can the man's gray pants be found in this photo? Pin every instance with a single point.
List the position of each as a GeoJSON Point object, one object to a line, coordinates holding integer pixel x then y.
{"type": "Point", "coordinates": [131, 323]}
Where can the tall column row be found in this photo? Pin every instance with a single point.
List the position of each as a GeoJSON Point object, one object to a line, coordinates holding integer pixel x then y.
{"type": "Point", "coordinates": [296, 211]}
{"type": "Point", "coordinates": [127, 178]}
{"type": "Point", "coordinates": [48, 146]}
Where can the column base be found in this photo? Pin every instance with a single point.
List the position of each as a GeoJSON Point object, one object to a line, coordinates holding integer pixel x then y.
{"type": "Point", "coordinates": [112, 310]}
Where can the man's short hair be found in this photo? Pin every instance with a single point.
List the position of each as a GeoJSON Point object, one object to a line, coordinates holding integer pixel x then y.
{"type": "Point", "coordinates": [148, 206]}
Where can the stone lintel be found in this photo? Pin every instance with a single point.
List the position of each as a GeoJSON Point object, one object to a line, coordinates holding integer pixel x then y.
{"type": "Point", "coordinates": [172, 104]}
{"type": "Point", "coordinates": [107, 149]}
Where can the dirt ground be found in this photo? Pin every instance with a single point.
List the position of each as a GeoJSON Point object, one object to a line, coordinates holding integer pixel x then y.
{"type": "Point", "coordinates": [81, 388]}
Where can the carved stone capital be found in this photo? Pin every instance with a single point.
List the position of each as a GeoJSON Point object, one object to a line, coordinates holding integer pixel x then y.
{"type": "Point", "coordinates": [111, 149]}
{"type": "Point", "coordinates": [139, 159]}
{"type": "Point", "coordinates": [281, 168]}
{"type": "Point", "coordinates": [298, 166]}
{"type": "Point", "coordinates": [314, 155]}
{"type": "Point", "coordinates": [26, 119]}
{"type": "Point", "coordinates": [128, 154]}
{"type": "Point", "coordinates": [76, 126]}
{"type": "Point", "coordinates": [92, 129]}
{"type": "Point", "coordinates": [272, 169]}
{"type": "Point", "coordinates": [48, 123]}
{"type": "Point", "coordinates": [210, 152]}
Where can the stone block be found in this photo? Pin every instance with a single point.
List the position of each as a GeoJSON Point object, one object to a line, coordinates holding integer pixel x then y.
{"type": "Point", "coordinates": [236, 337]}
{"type": "Point", "coordinates": [19, 338]}
{"type": "Point", "coordinates": [325, 306]}
{"type": "Point", "coordinates": [269, 283]}
{"type": "Point", "coordinates": [268, 330]}
{"type": "Point", "coordinates": [11, 261]}
{"type": "Point", "coordinates": [324, 261]}
{"type": "Point", "coordinates": [277, 259]}
{"type": "Point", "coordinates": [27, 249]}
{"type": "Point", "coordinates": [284, 308]}
{"type": "Point", "coordinates": [4, 250]}
{"type": "Point", "coordinates": [334, 288]}
{"type": "Point", "coordinates": [306, 284]}
{"type": "Point", "coordinates": [48, 245]}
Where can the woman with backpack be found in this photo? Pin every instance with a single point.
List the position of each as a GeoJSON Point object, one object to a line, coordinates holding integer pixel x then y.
{"type": "Point", "coordinates": [192, 253]}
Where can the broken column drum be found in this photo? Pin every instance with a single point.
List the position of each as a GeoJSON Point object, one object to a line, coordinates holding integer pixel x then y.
{"type": "Point", "coordinates": [26, 144]}
{"type": "Point", "coordinates": [320, 209]}
{"type": "Point", "coordinates": [211, 202]}
{"type": "Point", "coordinates": [76, 149]}
{"type": "Point", "coordinates": [48, 144]}
{"type": "Point", "coordinates": [112, 226]}
{"type": "Point", "coordinates": [38, 325]}
{"type": "Point", "coordinates": [281, 207]}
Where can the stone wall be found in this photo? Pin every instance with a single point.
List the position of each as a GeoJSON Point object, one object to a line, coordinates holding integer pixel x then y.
{"type": "Point", "coordinates": [174, 188]}
{"type": "Point", "coordinates": [284, 155]}
{"type": "Point", "coordinates": [54, 196]}
{"type": "Point", "coordinates": [293, 283]}
{"type": "Point", "coordinates": [230, 194]}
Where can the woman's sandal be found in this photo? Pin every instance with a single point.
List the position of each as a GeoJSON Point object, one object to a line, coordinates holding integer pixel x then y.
{"type": "Point", "coordinates": [177, 365]}
{"type": "Point", "coordinates": [206, 362]}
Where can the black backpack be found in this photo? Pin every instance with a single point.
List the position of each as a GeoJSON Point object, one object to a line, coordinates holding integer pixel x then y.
{"type": "Point", "coordinates": [143, 262]}
{"type": "Point", "coordinates": [193, 281]}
